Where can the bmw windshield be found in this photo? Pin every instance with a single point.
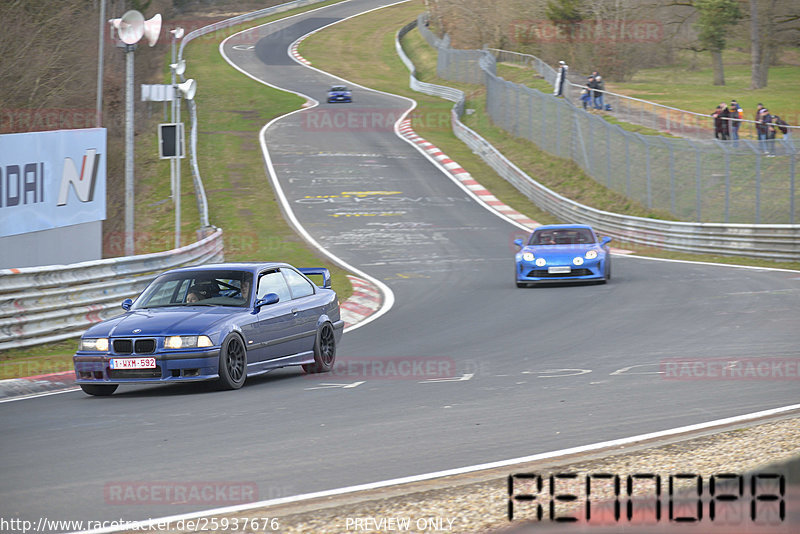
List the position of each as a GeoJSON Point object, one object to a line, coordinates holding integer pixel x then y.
{"type": "Point", "coordinates": [197, 288]}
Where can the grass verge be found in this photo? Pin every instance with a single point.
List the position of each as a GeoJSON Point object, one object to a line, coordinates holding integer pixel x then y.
{"type": "Point", "coordinates": [232, 108]}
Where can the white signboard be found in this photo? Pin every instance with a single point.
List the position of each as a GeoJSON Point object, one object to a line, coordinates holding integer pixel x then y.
{"type": "Point", "coordinates": [52, 179]}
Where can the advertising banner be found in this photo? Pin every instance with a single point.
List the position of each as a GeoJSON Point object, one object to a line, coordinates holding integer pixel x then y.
{"type": "Point", "coordinates": [52, 179]}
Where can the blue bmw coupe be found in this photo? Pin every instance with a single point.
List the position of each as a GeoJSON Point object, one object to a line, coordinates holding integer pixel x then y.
{"type": "Point", "coordinates": [220, 322]}
{"type": "Point", "coordinates": [562, 253]}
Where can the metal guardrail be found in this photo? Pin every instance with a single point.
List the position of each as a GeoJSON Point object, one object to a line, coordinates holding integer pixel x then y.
{"type": "Point", "coordinates": [772, 241]}
{"type": "Point", "coordinates": [55, 302]}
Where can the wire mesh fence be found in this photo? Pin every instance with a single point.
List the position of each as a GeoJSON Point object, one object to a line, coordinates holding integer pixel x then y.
{"type": "Point", "coordinates": [694, 177]}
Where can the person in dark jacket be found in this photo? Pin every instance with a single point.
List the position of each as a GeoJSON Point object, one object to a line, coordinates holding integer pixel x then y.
{"type": "Point", "coordinates": [767, 124]}
{"type": "Point", "coordinates": [721, 122]}
{"type": "Point", "coordinates": [599, 87]}
{"type": "Point", "coordinates": [736, 112]}
{"type": "Point", "coordinates": [757, 120]}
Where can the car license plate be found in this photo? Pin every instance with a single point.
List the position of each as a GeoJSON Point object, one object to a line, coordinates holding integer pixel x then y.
{"type": "Point", "coordinates": [133, 363]}
{"type": "Point", "coordinates": [559, 269]}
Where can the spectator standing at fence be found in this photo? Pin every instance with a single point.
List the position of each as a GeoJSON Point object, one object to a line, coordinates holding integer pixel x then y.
{"type": "Point", "coordinates": [736, 112]}
{"type": "Point", "coordinates": [768, 127]}
{"type": "Point", "coordinates": [591, 85]}
{"type": "Point", "coordinates": [721, 122]}
{"type": "Point", "coordinates": [600, 86]}
{"type": "Point", "coordinates": [757, 119]}
{"type": "Point", "coordinates": [561, 79]}
{"type": "Point", "coordinates": [586, 93]}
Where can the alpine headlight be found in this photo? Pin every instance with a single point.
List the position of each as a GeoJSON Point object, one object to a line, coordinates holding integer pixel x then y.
{"type": "Point", "coordinates": [528, 256]}
{"type": "Point", "coordinates": [187, 342]}
{"type": "Point", "coordinates": [577, 260]}
{"type": "Point", "coordinates": [99, 344]}
{"type": "Point", "coordinates": [591, 254]}
{"type": "Point", "coordinates": [540, 262]}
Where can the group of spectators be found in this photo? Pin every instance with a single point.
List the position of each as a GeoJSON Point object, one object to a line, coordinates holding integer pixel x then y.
{"type": "Point", "coordinates": [728, 119]}
{"type": "Point", "coordinates": [592, 94]}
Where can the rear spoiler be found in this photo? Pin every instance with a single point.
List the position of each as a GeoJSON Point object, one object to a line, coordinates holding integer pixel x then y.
{"type": "Point", "coordinates": [318, 271]}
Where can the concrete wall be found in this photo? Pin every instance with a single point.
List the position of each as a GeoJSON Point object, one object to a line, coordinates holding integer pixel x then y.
{"type": "Point", "coordinates": [68, 244]}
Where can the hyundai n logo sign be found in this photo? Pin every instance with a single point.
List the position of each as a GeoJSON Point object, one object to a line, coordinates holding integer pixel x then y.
{"type": "Point", "coordinates": [24, 184]}
{"type": "Point", "coordinates": [82, 183]}
{"type": "Point", "coordinates": [51, 180]}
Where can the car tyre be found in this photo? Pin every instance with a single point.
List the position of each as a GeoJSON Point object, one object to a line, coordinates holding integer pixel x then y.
{"type": "Point", "coordinates": [99, 390]}
{"type": "Point", "coordinates": [324, 351]}
{"type": "Point", "coordinates": [607, 277]}
{"type": "Point", "coordinates": [232, 363]}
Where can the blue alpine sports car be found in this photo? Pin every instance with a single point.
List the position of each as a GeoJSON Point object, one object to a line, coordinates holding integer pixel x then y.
{"type": "Point", "coordinates": [220, 322]}
{"type": "Point", "coordinates": [339, 93]}
{"type": "Point", "coordinates": [562, 253]}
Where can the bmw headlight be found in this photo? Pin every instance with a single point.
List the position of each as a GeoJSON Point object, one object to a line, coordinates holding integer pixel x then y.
{"type": "Point", "coordinates": [591, 254]}
{"type": "Point", "coordinates": [528, 256]}
{"type": "Point", "coordinates": [577, 260]}
{"type": "Point", "coordinates": [99, 344]}
{"type": "Point", "coordinates": [540, 262]}
{"type": "Point", "coordinates": [187, 342]}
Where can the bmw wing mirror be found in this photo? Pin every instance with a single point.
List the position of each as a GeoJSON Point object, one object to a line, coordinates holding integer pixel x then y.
{"type": "Point", "coordinates": [126, 304]}
{"type": "Point", "coordinates": [518, 242]}
{"type": "Point", "coordinates": [266, 300]}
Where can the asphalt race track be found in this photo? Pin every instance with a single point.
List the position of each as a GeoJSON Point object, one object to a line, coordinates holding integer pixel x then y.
{"type": "Point", "coordinates": [464, 369]}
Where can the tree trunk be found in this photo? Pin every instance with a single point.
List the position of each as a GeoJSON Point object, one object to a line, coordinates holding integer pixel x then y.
{"type": "Point", "coordinates": [756, 52]}
{"type": "Point", "coordinates": [719, 69]}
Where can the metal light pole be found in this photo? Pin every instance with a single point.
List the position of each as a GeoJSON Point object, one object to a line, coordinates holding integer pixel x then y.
{"type": "Point", "coordinates": [131, 28]}
{"type": "Point", "coordinates": [175, 163]}
{"type": "Point", "coordinates": [185, 90]}
{"type": "Point", "coordinates": [129, 198]}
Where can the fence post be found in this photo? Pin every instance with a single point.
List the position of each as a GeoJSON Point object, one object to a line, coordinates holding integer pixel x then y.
{"type": "Point", "coordinates": [608, 153]}
{"type": "Point", "coordinates": [627, 166]}
{"type": "Point", "coordinates": [671, 177]}
{"type": "Point", "coordinates": [758, 187]}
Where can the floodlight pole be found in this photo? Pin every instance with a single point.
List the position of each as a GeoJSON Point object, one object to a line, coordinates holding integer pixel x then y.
{"type": "Point", "coordinates": [175, 162]}
{"type": "Point", "coordinates": [172, 117]}
{"type": "Point", "coordinates": [129, 197]}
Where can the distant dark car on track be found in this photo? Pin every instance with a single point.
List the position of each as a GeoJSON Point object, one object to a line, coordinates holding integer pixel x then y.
{"type": "Point", "coordinates": [562, 253]}
{"type": "Point", "coordinates": [220, 322]}
{"type": "Point", "coordinates": [339, 93]}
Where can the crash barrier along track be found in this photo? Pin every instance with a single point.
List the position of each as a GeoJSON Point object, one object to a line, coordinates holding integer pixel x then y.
{"type": "Point", "coordinates": [55, 302]}
{"type": "Point", "coordinates": [771, 241]}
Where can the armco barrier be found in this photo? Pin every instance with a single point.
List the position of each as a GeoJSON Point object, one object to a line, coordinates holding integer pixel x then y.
{"type": "Point", "coordinates": [55, 302]}
{"type": "Point", "coordinates": [771, 241]}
